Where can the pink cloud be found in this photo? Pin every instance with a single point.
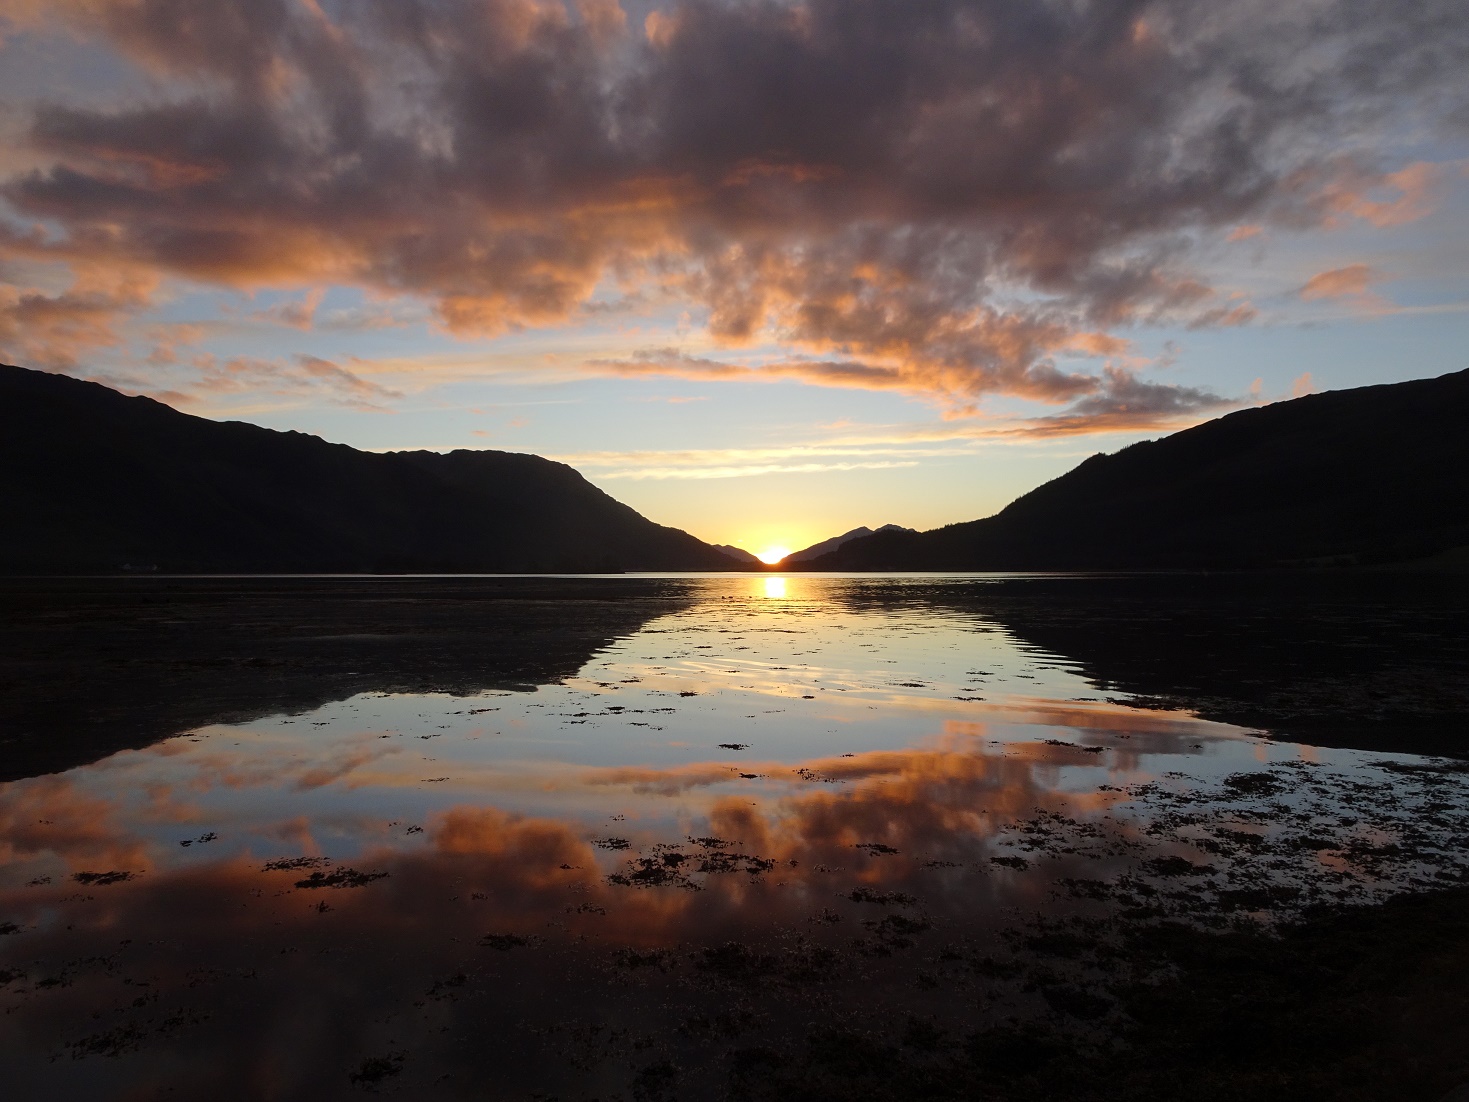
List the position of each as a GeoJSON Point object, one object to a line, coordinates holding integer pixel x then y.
{"type": "Point", "coordinates": [1352, 281]}
{"type": "Point", "coordinates": [1395, 198]}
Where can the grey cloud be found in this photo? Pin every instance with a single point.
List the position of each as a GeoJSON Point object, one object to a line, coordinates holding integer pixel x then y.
{"type": "Point", "coordinates": [203, 379]}
{"type": "Point", "coordinates": [1124, 403]}
{"type": "Point", "coordinates": [947, 193]}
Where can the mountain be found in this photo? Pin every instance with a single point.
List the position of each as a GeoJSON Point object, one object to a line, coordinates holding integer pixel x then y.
{"type": "Point", "coordinates": [818, 549]}
{"type": "Point", "coordinates": [94, 481]}
{"type": "Point", "coordinates": [739, 554]}
{"type": "Point", "coordinates": [1374, 474]}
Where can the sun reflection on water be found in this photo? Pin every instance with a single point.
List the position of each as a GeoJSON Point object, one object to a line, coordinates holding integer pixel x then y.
{"type": "Point", "coordinates": [775, 588]}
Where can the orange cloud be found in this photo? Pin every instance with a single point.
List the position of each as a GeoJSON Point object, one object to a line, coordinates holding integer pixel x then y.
{"type": "Point", "coordinates": [299, 314]}
{"type": "Point", "coordinates": [56, 329]}
{"type": "Point", "coordinates": [1116, 402]}
{"type": "Point", "coordinates": [1410, 194]}
{"type": "Point", "coordinates": [1354, 279]}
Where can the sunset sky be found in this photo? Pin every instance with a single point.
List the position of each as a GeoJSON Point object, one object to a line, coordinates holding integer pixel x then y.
{"type": "Point", "coordinates": [765, 270]}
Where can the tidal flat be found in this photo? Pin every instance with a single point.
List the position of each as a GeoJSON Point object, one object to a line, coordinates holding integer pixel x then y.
{"type": "Point", "coordinates": [745, 836]}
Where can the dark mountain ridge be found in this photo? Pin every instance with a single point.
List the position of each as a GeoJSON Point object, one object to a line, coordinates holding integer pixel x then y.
{"type": "Point", "coordinates": [739, 554]}
{"type": "Point", "coordinates": [95, 481]}
{"type": "Point", "coordinates": [818, 549]}
{"type": "Point", "coordinates": [1373, 474]}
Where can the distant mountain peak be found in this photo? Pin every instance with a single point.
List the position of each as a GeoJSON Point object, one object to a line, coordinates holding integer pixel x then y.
{"type": "Point", "coordinates": [828, 545]}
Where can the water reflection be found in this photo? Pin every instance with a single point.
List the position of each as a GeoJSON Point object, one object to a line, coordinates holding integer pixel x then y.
{"type": "Point", "coordinates": [821, 799]}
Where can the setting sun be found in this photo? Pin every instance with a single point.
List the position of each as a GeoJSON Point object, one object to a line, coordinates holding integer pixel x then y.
{"type": "Point", "coordinates": [772, 555]}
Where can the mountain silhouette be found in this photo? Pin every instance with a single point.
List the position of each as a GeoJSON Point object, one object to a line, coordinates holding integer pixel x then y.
{"type": "Point", "coordinates": [1370, 475]}
{"type": "Point", "coordinates": [739, 554]}
{"type": "Point", "coordinates": [95, 481]}
{"type": "Point", "coordinates": [818, 549]}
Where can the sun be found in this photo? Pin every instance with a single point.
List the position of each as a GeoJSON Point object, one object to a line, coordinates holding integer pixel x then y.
{"type": "Point", "coordinates": [772, 555]}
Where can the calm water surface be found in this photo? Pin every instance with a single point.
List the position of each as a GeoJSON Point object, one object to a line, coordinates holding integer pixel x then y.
{"type": "Point", "coordinates": [778, 806]}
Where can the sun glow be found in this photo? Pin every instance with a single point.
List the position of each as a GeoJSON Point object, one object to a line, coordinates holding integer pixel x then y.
{"type": "Point", "coordinates": [772, 555]}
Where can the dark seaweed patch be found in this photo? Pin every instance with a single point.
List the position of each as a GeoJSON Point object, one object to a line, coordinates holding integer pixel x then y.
{"type": "Point", "coordinates": [504, 942]}
{"type": "Point", "coordinates": [886, 899]}
{"type": "Point", "coordinates": [295, 864]}
{"type": "Point", "coordinates": [340, 877]}
{"type": "Point", "coordinates": [377, 1069]}
{"type": "Point", "coordinates": [634, 959]}
{"type": "Point", "coordinates": [110, 1043]}
{"type": "Point", "coordinates": [711, 843]}
{"type": "Point", "coordinates": [1174, 866]}
{"type": "Point", "coordinates": [736, 962]}
{"type": "Point", "coordinates": [655, 1082]}
{"type": "Point", "coordinates": [659, 871]}
{"type": "Point", "coordinates": [101, 879]}
{"type": "Point", "coordinates": [1075, 746]}
{"type": "Point", "coordinates": [1253, 784]}
{"type": "Point", "coordinates": [719, 861]}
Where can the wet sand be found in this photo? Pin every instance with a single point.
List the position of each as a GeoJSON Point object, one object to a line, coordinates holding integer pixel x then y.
{"type": "Point", "coordinates": [735, 837]}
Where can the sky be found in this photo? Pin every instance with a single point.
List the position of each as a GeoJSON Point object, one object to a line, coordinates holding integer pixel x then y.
{"type": "Point", "coordinates": [766, 270]}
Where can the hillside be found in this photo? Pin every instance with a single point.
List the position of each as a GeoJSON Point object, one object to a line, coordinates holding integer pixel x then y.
{"type": "Point", "coordinates": [94, 481]}
{"type": "Point", "coordinates": [816, 550]}
{"type": "Point", "coordinates": [739, 554]}
{"type": "Point", "coordinates": [1374, 474]}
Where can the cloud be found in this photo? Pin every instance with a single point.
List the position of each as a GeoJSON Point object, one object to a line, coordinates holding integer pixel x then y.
{"type": "Point", "coordinates": [202, 379]}
{"type": "Point", "coordinates": [54, 330]}
{"type": "Point", "coordinates": [296, 314]}
{"type": "Point", "coordinates": [750, 470]}
{"type": "Point", "coordinates": [1122, 404]}
{"type": "Point", "coordinates": [1125, 403]}
{"type": "Point", "coordinates": [942, 197]}
{"type": "Point", "coordinates": [1392, 199]}
{"type": "Point", "coordinates": [911, 375]}
{"type": "Point", "coordinates": [1351, 281]}
{"type": "Point", "coordinates": [1116, 401]}
{"type": "Point", "coordinates": [875, 452]}
{"type": "Point", "coordinates": [674, 399]}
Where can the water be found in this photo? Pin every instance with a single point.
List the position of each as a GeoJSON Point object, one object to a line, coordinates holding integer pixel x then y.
{"type": "Point", "coordinates": [783, 800]}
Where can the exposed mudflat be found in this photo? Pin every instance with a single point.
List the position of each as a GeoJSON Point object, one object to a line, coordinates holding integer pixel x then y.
{"type": "Point", "coordinates": [736, 837]}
